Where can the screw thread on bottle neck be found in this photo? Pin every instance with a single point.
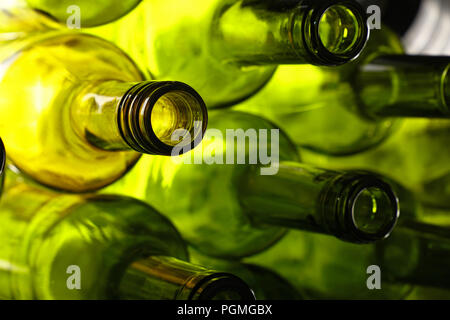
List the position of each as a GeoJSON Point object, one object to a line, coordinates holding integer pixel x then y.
{"type": "Point", "coordinates": [151, 112]}
{"type": "Point", "coordinates": [365, 207]}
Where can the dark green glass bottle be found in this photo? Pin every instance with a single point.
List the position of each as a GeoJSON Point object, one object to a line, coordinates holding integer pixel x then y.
{"type": "Point", "coordinates": [57, 246]}
{"type": "Point", "coordinates": [240, 191]}
{"type": "Point", "coordinates": [82, 113]}
{"type": "Point", "coordinates": [417, 154]}
{"type": "Point", "coordinates": [91, 13]}
{"type": "Point", "coordinates": [228, 49]}
{"type": "Point", "coordinates": [265, 283]}
{"type": "Point", "coordinates": [352, 108]}
{"type": "Point", "coordinates": [416, 254]}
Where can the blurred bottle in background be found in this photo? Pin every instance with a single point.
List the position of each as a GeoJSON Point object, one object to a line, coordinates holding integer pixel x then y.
{"type": "Point", "coordinates": [418, 155]}
{"type": "Point", "coordinates": [227, 50]}
{"type": "Point", "coordinates": [352, 108]}
{"type": "Point", "coordinates": [91, 13]}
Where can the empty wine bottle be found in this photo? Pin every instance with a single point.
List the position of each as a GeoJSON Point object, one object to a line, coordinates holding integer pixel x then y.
{"type": "Point", "coordinates": [417, 253]}
{"type": "Point", "coordinates": [76, 114]}
{"type": "Point", "coordinates": [231, 198]}
{"type": "Point", "coordinates": [227, 50]}
{"type": "Point", "coordinates": [57, 246]}
{"type": "Point", "coordinates": [416, 154]}
{"type": "Point", "coordinates": [352, 108]}
{"type": "Point", "coordinates": [265, 283]}
{"type": "Point", "coordinates": [91, 13]}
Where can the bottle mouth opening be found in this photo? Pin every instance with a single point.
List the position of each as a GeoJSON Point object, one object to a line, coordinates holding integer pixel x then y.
{"type": "Point", "coordinates": [221, 286]}
{"type": "Point", "coordinates": [373, 208]}
{"type": "Point", "coordinates": [177, 118]}
{"type": "Point", "coordinates": [339, 32]}
{"type": "Point", "coordinates": [369, 210]}
{"type": "Point", "coordinates": [159, 116]}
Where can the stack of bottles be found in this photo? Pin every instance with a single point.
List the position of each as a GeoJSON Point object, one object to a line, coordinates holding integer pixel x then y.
{"type": "Point", "coordinates": [219, 149]}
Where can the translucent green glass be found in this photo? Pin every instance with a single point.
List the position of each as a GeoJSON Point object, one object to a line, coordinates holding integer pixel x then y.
{"type": "Point", "coordinates": [17, 20]}
{"type": "Point", "coordinates": [82, 114]}
{"type": "Point", "coordinates": [92, 13]}
{"type": "Point", "coordinates": [417, 154]}
{"type": "Point", "coordinates": [338, 29]}
{"type": "Point", "coordinates": [121, 247]}
{"type": "Point", "coordinates": [228, 209]}
{"type": "Point", "coordinates": [227, 50]}
{"type": "Point", "coordinates": [415, 255]}
{"type": "Point", "coordinates": [352, 108]}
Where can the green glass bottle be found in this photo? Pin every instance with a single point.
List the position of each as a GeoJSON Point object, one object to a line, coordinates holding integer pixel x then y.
{"type": "Point", "coordinates": [228, 49]}
{"type": "Point", "coordinates": [417, 253]}
{"type": "Point", "coordinates": [416, 154]}
{"type": "Point", "coordinates": [349, 109]}
{"type": "Point", "coordinates": [91, 13]}
{"type": "Point", "coordinates": [57, 246]}
{"type": "Point", "coordinates": [265, 283]}
{"type": "Point", "coordinates": [81, 113]}
{"type": "Point", "coordinates": [237, 193]}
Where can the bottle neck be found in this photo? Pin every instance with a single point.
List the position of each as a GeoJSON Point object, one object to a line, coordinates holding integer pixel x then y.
{"type": "Point", "coordinates": [165, 278]}
{"type": "Point", "coordinates": [319, 32]}
{"type": "Point", "coordinates": [356, 207]}
{"type": "Point", "coordinates": [404, 86]}
{"type": "Point", "coordinates": [417, 253]}
{"type": "Point", "coordinates": [150, 117]}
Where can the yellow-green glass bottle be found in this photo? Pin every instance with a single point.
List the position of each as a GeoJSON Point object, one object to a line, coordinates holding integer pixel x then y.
{"type": "Point", "coordinates": [76, 113]}
{"type": "Point", "coordinates": [417, 154]}
{"type": "Point", "coordinates": [228, 49]}
{"type": "Point", "coordinates": [61, 246]}
{"type": "Point", "coordinates": [352, 108]}
{"type": "Point", "coordinates": [91, 13]}
{"type": "Point", "coordinates": [265, 283]}
{"type": "Point", "coordinates": [239, 192]}
{"type": "Point", "coordinates": [417, 253]}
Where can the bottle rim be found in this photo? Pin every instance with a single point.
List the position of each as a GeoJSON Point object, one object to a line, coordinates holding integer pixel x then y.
{"type": "Point", "coordinates": [313, 40]}
{"type": "Point", "coordinates": [364, 182]}
{"type": "Point", "coordinates": [212, 285]}
{"type": "Point", "coordinates": [135, 117]}
{"type": "Point", "coordinates": [339, 211]}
